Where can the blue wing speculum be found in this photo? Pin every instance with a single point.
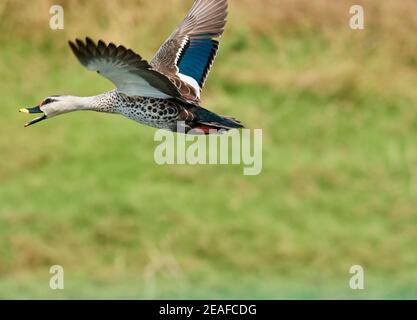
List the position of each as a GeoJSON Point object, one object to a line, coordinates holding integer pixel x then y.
{"type": "Point", "coordinates": [197, 57]}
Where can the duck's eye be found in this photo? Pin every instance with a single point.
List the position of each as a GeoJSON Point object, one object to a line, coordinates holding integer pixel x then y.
{"type": "Point", "coordinates": [47, 100]}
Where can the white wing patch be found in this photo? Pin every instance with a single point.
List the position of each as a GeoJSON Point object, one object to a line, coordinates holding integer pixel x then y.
{"type": "Point", "coordinates": [191, 81]}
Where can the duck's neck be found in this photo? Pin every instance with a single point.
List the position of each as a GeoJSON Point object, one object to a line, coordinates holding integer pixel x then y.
{"type": "Point", "coordinates": [102, 103]}
{"type": "Point", "coordinates": [82, 103]}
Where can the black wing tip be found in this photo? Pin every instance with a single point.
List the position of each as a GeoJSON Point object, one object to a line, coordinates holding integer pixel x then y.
{"type": "Point", "coordinates": [86, 41]}
{"type": "Point", "coordinates": [89, 45]}
{"type": "Point", "coordinates": [72, 45]}
{"type": "Point", "coordinates": [80, 51]}
{"type": "Point", "coordinates": [101, 43]}
{"type": "Point", "coordinates": [80, 43]}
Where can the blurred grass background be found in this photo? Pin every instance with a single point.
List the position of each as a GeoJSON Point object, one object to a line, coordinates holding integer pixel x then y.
{"type": "Point", "coordinates": [339, 185]}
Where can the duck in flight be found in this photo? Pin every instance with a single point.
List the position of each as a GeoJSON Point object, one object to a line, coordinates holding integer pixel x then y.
{"type": "Point", "coordinates": [164, 93]}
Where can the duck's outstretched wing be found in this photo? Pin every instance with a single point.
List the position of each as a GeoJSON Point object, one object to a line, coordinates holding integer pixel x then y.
{"type": "Point", "coordinates": [190, 50]}
{"type": "Point", "coordinates": [127, 70]}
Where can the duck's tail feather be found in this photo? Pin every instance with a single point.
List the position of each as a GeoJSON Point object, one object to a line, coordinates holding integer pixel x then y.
{"type": "Point", "coordinates": [209, 122]}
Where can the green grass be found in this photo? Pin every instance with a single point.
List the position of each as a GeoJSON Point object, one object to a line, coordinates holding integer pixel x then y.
{"type": "Point", "coordinates": [337, 189]}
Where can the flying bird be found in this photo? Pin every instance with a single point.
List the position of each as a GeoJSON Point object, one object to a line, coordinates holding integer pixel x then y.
{"type": "Point", "coordinates": [162, 93]}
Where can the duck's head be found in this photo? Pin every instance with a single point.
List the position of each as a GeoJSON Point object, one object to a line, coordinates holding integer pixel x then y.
{"type": "Point", "coordinates": [53, 106]}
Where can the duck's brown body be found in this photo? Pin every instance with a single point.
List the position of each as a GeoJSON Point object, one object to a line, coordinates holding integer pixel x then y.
{"type": "Point", "coordinates": [161, 113]}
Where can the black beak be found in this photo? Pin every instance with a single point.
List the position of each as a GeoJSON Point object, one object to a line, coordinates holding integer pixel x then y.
{"type": "Point", "coordinates": [36, 109]}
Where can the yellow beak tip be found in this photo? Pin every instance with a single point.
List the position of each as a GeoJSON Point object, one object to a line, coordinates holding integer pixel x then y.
{"type": "Point", "coordinates": [24, 110]}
